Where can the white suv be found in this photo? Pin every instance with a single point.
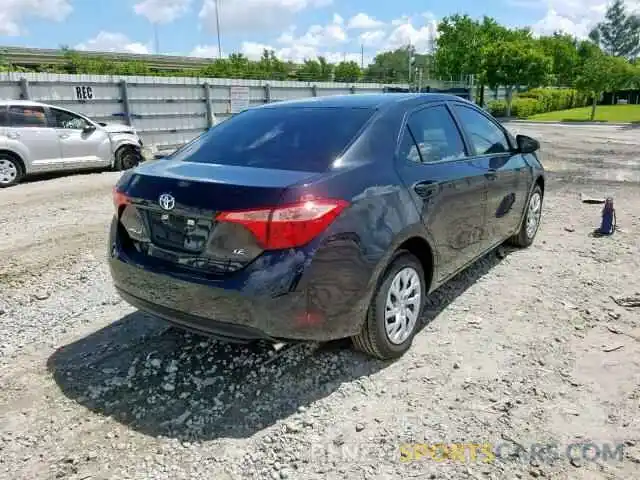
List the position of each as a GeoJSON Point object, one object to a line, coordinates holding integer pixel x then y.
{"type": "Point", "coordinates": [39, 138]}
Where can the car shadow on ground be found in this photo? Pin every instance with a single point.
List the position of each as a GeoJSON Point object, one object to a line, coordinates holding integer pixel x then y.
{"type": "Point", "coordinates": [159, 380]}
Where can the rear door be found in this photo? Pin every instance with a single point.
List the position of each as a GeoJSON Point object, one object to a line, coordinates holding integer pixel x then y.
{"type": "Point", "coordinates": [28, 133]}
{"type": "Point", "coordinates": [449, 188]}
{"type": "Point", "coordinates": [80, 149]}
{"type": "Point", "coordinates": [508, 172]}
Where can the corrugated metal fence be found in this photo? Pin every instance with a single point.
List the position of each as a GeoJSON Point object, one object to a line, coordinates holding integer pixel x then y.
{"type": "Point", "coordinates": [166, 111]}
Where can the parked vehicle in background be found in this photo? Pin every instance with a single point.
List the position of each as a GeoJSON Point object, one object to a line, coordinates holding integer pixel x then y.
{"type": "Point", "coordinates": [322, 218]}
{"type": "Point", "coordinates": [39, 138]}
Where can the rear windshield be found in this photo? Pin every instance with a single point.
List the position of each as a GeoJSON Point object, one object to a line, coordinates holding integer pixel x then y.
{"type": "Point", "coordinates": [304, 139]}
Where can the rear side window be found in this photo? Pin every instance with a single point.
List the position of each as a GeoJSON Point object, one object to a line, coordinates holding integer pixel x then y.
{"type": "Point", "coordinates": [296, 138]}
{"type": "Point", "coordinates": [436, 135]}
{"type": "Point", "coordinates": [26, 116]}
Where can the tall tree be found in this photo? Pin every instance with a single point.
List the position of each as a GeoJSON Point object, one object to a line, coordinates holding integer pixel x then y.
{"type": "Point", "coordinates": [390, 66]}
{"type": "Point", "coordinates": [515, 63]}
{"type": "Point", "coordinates": [459, 42]}
{"type": "Point", "coordinates": [595, 78]}
{"type": "Point", "coordinates": [347, 72]}
{"type": "Point", "coordinates": [563, 50]}
{"type": "Point", "coordinates": [619, 33]}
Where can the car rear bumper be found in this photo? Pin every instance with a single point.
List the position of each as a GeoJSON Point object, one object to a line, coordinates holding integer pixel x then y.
{"type": "Point", "coordinates": [288, 299]}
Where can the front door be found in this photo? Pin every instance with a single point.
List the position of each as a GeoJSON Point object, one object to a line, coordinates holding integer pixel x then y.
{"type": "Point", "coordinates": [80, 148]}
{"type": "Point", "coordinates": [448, 187]}
{"type": "Point", "coordinates": [508, 172]}
{"type": "Point", "coordinates": [27, 132]}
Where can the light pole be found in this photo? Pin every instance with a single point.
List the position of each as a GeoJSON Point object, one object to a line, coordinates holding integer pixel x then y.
{"type": "Point", "coordinates": [218, 30]}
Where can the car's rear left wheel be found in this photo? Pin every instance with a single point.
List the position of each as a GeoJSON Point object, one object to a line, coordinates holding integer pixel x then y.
{"type": "Point", "coordinates": [10, 171]}
{"type": "Point", "coordinates": [394, 315]}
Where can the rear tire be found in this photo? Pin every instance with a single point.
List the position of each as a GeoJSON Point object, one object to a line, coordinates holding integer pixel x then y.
{"type": "Point", "coordinates": [11, 171]}
{"type": "Point", "coordinates": [531, 221]}
{"type": "Point", "coordinates": [403, 281]}
{"type": "Point", "coordinates": [126, 158]}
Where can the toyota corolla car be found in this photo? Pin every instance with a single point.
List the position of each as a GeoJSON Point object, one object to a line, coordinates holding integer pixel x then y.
{"type": "Point", "coordinates": [323, 218]}
{"type": "Point", "coordinates": [37, 138]}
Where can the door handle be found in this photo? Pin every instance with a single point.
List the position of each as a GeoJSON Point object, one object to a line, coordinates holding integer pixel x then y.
{"type": "Point", "coordinates": [491, 174]}
{"type": "Point", "coordinates": [13, 135]}
{"type": "Point", "coordinates": [64, 135]}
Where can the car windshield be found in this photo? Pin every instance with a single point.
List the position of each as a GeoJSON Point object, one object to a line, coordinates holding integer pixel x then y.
{"type": "Point", "coordinates": [288, 138]}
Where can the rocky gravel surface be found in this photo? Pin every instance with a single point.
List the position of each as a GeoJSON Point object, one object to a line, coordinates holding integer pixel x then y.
{"type": "Point", "coordinates": [529, 347]}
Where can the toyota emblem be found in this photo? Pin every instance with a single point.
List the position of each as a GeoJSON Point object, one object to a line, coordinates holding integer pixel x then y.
{"type": "Point", "coordinates": [166, 201]}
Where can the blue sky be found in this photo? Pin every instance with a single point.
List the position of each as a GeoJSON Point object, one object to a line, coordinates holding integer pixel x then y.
{"type": "Point", "coordinates": [295, 29]}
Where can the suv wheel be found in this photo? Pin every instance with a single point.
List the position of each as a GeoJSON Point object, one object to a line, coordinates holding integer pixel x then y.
{"type": "Point", "coordinates": [10, 170]}
{"type": "Point", "coordinates": [394, 315]}
{"type": "Point", "coordinates": [531, 220]}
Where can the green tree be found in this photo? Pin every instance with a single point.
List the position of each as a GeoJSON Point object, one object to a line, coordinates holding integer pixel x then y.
{"type": "Point", "coordinates": [315, 70]}
{"type": "Point", "coordinates": [619, 33]}
{"type": "Point", "coordinates": [458, 46]}
{"type": "Point", "coordinates": [515, 63]}
{"type": "Point", "coordinates": [594, 79]}
{"type": "Point", "coordinates": [388, 67]}
{"type": "Point", "coordinates": [347, 72]}
{"type": "Point", "coordinates": [563, 51]}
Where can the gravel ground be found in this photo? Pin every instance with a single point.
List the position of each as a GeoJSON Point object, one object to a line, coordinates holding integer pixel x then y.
{"type": "Point", "coordinates": [526, 346]}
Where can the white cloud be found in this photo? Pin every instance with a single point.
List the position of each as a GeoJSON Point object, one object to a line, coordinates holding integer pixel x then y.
{"type": "Point", "coordinates": [162, 11]}
{"type": "Point", "coordinates": [373, 38]}
{"type": "Point", "coordinates": [576, 17]}
{"type": "Point", "coordinates": [112, 42]}
{"type": "Point", "coordinates": [316, 35]}
{"type": "Point", "coordinates": [364, 21]}
{"type": "Point", "coordinates": [254, 15]}
{"type": "Point", "coordinates": [254, 50]}
{"type": "Point", "coordinates": [337, 19]}
{"type": "Point", "coordinates": [205, 51]}
{"type": "Point", "coordinates": [421, 37]}
{"type": "Point", "coordinates": [13, 12]}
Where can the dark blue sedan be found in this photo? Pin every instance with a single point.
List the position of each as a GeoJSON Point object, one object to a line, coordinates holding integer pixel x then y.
{"type": "Point", "coordinates": [322, 218]}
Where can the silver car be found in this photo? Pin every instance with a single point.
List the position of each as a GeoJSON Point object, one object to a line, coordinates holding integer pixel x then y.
{"type": "Point", "coordinates": [38, 138]}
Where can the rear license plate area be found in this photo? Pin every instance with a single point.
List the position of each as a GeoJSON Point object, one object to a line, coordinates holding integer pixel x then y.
{"type": "Point", "coordinates": [179, 232]}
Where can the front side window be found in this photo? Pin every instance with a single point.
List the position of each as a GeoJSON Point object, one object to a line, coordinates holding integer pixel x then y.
{"type": "Point", "coordinates": [26, 116]}
{"type": "Point", "coordinates": [296, 138]}
{"type": "Point", "coordinates": [485, 136]}
{"type": "Point", "coordinates": [67, 120]}
{"type": "Point", "coordinates": [436, 134]}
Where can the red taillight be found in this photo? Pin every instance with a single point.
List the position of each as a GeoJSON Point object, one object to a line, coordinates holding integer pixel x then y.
{"type": "Point", "coordinates": [287, 226]}
{"type": "Point", "coordinates": [119, 199]}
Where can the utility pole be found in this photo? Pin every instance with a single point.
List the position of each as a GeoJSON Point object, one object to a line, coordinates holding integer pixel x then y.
{"type": "Point", "coordinates": [218, 30]}
{"type": "Point", "coordinates": [361, 56]}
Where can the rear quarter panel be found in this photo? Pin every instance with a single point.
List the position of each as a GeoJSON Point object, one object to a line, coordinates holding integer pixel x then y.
{"type": "Point", "coordinates": [343, 269]}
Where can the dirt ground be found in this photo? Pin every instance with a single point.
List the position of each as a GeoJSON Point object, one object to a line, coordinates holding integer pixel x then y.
{"type": "Point", "coordinates": [526, 347]}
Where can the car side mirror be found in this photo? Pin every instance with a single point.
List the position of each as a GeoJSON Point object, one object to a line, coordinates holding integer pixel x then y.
{"type": "Point", "coordinates": [88, 129]}
{"type": "Point", "coordinates": [527, 144]}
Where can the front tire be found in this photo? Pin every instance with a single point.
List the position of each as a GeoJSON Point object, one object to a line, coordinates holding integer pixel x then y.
{"type": "Point", "coordinates": [395, 312]}
{"type": "Point", "coordinates": [10, 171]}
{"type": "Point", "coordinates": [126, 158]}
{"type": "Point", "coordinates": [531, 220]}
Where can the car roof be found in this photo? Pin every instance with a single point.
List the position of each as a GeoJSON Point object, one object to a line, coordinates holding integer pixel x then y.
{"type": "Point", "coordinates": [362, 100]}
